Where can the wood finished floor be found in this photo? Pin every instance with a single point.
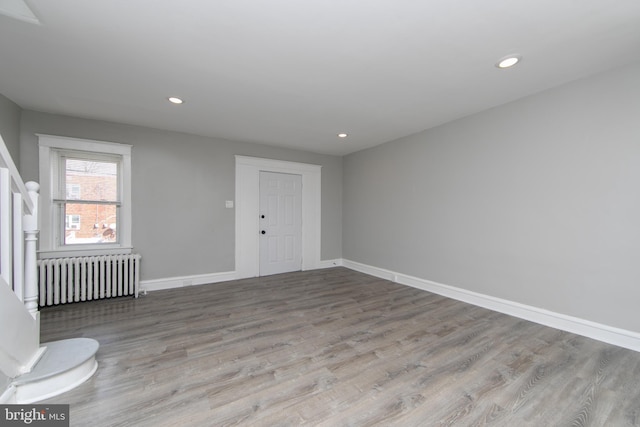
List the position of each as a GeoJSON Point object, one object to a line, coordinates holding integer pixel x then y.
{"type": "Point", "coordinates": [335, 348]}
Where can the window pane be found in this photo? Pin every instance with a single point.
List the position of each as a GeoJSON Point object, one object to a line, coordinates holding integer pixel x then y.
{"type": "Point", "coordinates": [91, 180]}
{"type": "Point", "coordinates": [90, 223]}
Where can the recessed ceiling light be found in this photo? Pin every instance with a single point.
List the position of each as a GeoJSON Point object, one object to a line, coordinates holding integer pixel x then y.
{"type": "Point", "coordinates": [175, 100]}
{"type": "Point", "coordinates": [342, 135]}
{"type": "Point", "coordinates": [508, 61]}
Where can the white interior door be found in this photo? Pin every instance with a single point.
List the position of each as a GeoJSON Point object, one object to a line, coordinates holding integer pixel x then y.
{"type": "Point", "coordinates": [280, 223]}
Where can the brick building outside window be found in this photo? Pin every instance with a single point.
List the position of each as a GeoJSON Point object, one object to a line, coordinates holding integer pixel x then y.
{"type": "Point", "coordinates": [93, 219]}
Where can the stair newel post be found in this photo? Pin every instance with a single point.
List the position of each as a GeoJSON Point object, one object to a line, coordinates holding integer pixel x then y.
{"type": "Point", "coordinates": [30, 259]}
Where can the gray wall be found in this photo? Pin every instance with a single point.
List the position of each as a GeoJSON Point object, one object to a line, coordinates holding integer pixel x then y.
{"type": "Point", "coordinates": [536, 201]}
{"type": "Point", "coordinates": [180, 184]}
{"type": "Point", "coordinates": [10, 127]}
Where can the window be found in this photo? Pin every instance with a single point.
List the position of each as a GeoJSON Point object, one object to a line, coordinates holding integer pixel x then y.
{"type": "Point", "coordinates": [98, 207]}
{"type": "Point", "coordinates": [85, 197]}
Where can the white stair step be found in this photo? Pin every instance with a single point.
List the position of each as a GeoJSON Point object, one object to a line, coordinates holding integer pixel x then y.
{"type": "Point", "coordinates": [65, 365]}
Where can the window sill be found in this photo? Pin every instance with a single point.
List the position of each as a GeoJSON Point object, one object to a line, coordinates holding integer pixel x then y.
{"type": "Point", "coordinates": [77, 252]}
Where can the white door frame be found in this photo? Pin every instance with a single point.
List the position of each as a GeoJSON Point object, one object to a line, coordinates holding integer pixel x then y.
{"type": "Point", "coordinates": [248, 210]}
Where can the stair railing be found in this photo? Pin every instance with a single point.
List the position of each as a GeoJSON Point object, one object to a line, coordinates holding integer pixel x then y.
{"type": "Point", "coordinates": [20, 341]}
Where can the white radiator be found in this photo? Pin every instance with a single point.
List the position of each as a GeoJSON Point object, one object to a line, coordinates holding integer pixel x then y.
{"type": "Point", "coordinates": [65, 280]}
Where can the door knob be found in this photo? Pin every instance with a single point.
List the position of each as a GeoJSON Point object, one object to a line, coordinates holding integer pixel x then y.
{"type": "Point", "coordinates": [262, 216]}
{"type": "Point", "coordinates": [263, 232]}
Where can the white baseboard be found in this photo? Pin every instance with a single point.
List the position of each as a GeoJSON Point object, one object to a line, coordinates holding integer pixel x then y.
{"type": "Point", "coordinates": [182, 281]}
{"type": "Point", "coordinates": [329, 263]}
{"type": "Point", "coordinates": [203, 279]}
{"type": "Point", "coordinates": [616, 336]}
{"type": "Point", "coordinates": [609, 334]}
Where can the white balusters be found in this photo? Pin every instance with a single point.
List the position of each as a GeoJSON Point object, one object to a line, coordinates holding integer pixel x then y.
{"type": "Point", "coordinates": [30, 261]}
{"type": "Point", "coordinates": [18, 246]}
{"type": "Point", "coordinates": [20, 331]}
{"type": "Point", "coordinates": [5, 227]}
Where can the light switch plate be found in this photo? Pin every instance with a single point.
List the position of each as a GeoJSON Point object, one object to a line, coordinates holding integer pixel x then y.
{"type": "Point", "coordinates": [228, 204]}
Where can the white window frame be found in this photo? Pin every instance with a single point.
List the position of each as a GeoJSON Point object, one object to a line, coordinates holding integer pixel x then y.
{"type": "Point", "coordinates": [50, 149]}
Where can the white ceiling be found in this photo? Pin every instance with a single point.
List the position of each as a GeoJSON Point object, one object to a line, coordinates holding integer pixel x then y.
{"type": "Point", "coordinates": [294, 73]}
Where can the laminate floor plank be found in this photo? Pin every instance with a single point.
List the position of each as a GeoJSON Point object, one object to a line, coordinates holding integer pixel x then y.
{"type": "Point", "coordinates": [335, 347]}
